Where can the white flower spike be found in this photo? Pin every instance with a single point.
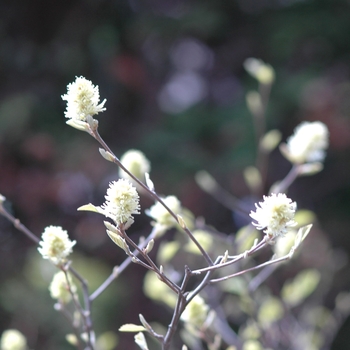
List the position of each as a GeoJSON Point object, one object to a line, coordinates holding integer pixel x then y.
{"type": "Point", "coordinates": [55, 244]}
{"type": "Point", "coordinates": [82, 101]}
{"type": "Point", "coordinates": [122, 201]}
{"type": "Point", "coordinates": [275, 214]}
{"type": "Point", "coordinates": [307, 144]}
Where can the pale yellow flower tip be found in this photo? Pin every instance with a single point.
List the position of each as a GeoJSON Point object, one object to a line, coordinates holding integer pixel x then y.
{"type": "Point", "coordinates": [13, 339]}
{"type": "Point", "coordinates": [55, 244]}
{"type": "Point", "coordinates": [82, 100]}
{"type": "Point", "coordinates": [275, 214]}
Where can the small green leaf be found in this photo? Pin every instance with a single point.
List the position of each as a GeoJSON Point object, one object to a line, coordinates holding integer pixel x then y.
{"type": "Point", "coordinates": [271, 140]}
{"type": "Point", "coordinates": [301, 235]}
{"type": "Point", "coordinates": [145, 323]}
{"type": "Point", "coordinates": [107, 341]}
{"type": "Point", "coordinates": [89, 207]}
{"type": "Point", "coordinates": [304, 217]}
{"type": "Point", "coordinates": [106, 155]}
{"type": "Point", "coordinates": [252, 177]}
{"type": "Point", "coordinates": [252, 345]}
{"type": "Point", "coordinates": [237, 285]}
{"type": "Point", "coordinates": [245, 238]}
{"type": "Point", "coordinates": [270, 311]}
{"type": "Point", "coordinates": [294, 292]}
{"type": "Point", "coordinates": [111, 227]}
{"type": "Point", "coordinates": [204, 238]}
{"type": "Point", "coordinates": [181, 221]}
{"type": "Point", "coordinates": [77, 124]}
{"type": "Point", "coordinates": [167, 251]}
{"type": "Point", "coordinates": [130, 327]}
{"type": "Point", "coordinates": [149, 246]}
{"type": "Point", "coordinates": [140, 340]}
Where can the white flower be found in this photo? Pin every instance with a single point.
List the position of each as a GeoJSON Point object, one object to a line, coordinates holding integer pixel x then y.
{"type": "Point", "coordinates": [12, 339]}
{"type": "Point", "coordinates": [55, 244]}
{"type": "Point", "coordinates": [122, 201]}
{"type": "Point", "coordinates": [82, 100]}
{"type": "Point", "coordinates": [161, 215]}
{"type": "Point", "coordinates": [196, 312]}
{"type": "Point", "coordinates": [136, 162]}
{"type": "Point", "coordinates": [275, 214]}
{"type": "Point", "coordinates": [59, 288]}
{"type": "Point", "coordinates": [307, 144]}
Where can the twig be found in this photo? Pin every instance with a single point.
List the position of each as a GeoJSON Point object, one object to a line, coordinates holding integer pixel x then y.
{"type": "Point", "coordinates": [181, 304]}
{"type": "Point", "coordinates": [85, 313]}
{"type": "Point", "coordinates": [119, 269]}
{"type": "Point", "coordinates": [18, 225]}
{"type": "Point", "coordinates": [152, 193]}
{"type": "Point", "coordinates": [283, 185]}
{"type": "Point", "coordinates": [233, 259]}
{"type": "Point", "coordinates": [275, 261]}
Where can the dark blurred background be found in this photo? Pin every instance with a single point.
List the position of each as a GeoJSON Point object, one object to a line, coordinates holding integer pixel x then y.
{"type": "Point", "coordinates": [172, 73]}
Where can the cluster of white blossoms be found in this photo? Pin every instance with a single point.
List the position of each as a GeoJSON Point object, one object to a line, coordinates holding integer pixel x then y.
{"type": "Point", "coordinates": [136, 162]}
{"type": "Point", "coordinates": [12, 339]}
{"type": "Point", "coordinates": [307, 144]}
{"type": "Point", "coordinates": [275, 214]}
{"type": "Point", "coordinates": [59, 288]}
{"type": "Point", "coordinates": [82, 100]}
{"type": "Point", "coordinates": [55, 244]}
{"type": "Point", "coordinates": [161, 215]}
{"type": "Point", "coordinates": [122, 201]}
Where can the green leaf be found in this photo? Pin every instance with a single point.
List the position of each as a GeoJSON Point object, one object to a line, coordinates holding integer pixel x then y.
{"type": "Point", "coordinates": [301, 235]}
{"type": "Point", "coordinates": [296, 291]}
{"type": "Point", "coordinates": [89, 207]}
{"type": "Point", "coordinates": [167, 251]}
{"type": "Point", "coordinates": [106, 155]}
{"type": "Point", "coordinates": [140, 340]}
{"type": "Point", "coordinates": [270, 311]}
{"type": "Point", "coordinates": [245, 238]}
{"type": "Point", "coordinates": [252, 345]}
{"type": "Point", "coordinates": [304, 217]}
{"type": "Point", "coordinates": [107, 341]}
{"type": "Point", "coordinates": [130, 327]}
